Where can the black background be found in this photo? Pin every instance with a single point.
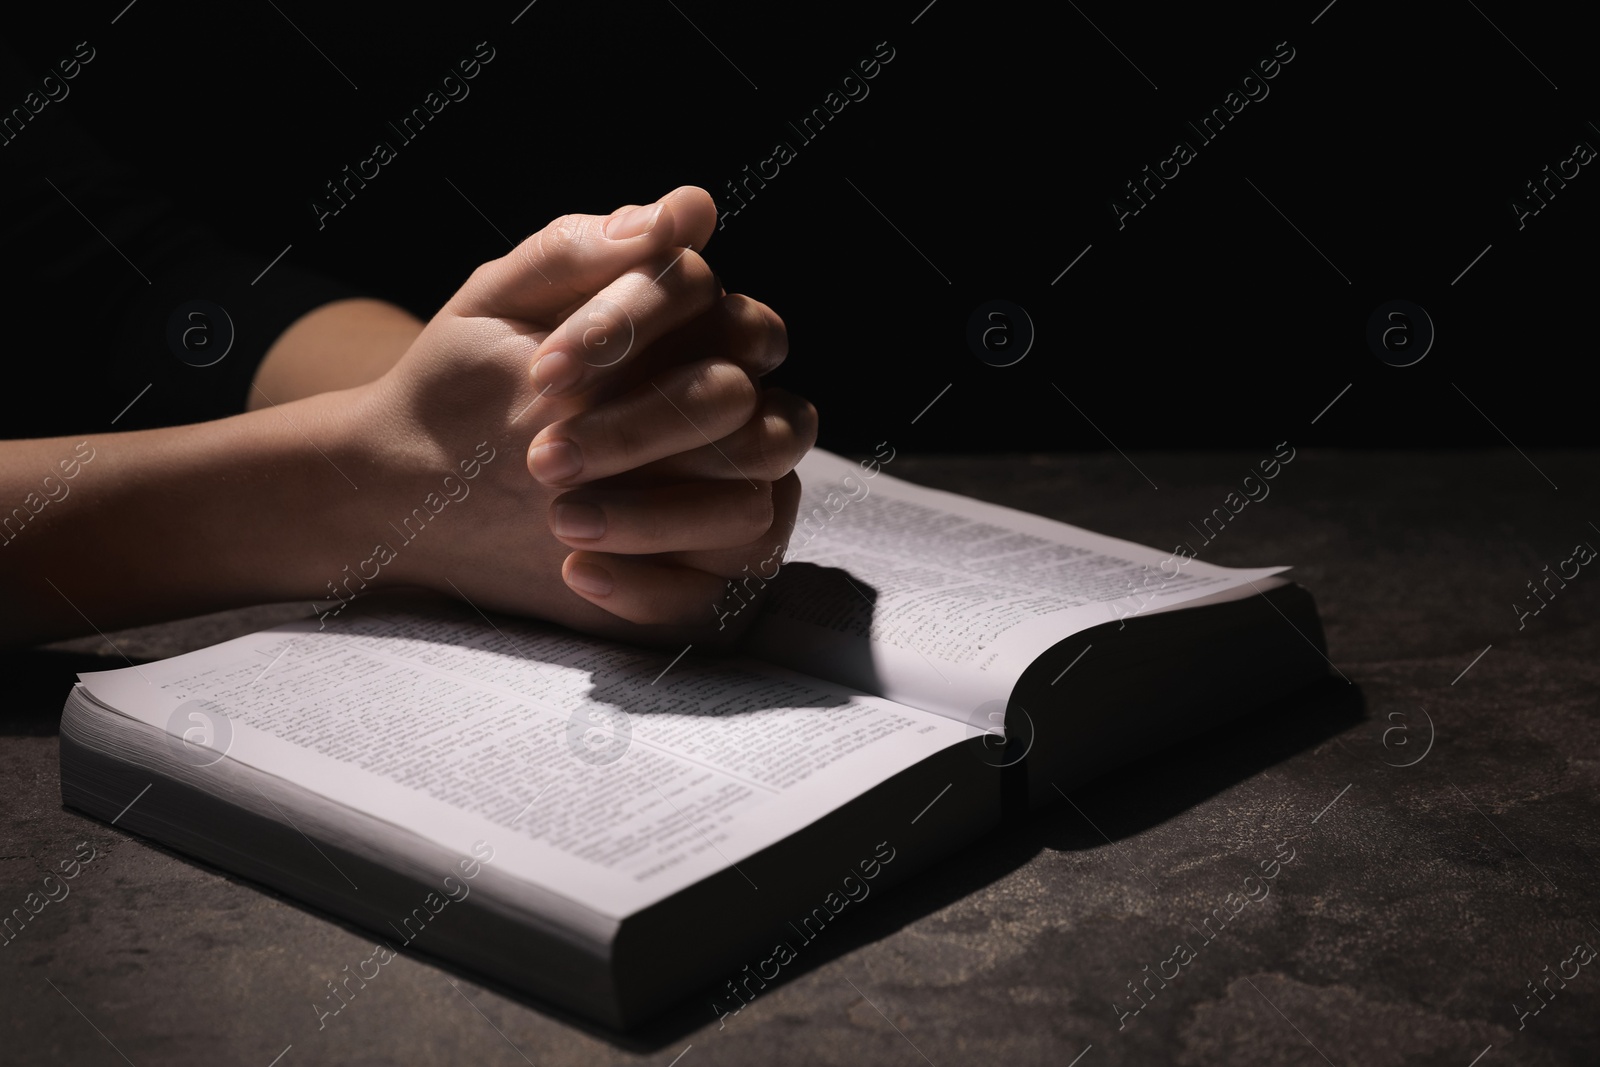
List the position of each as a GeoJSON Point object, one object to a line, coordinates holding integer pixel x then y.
{"type": "Point", "coordinates": [993, 142]}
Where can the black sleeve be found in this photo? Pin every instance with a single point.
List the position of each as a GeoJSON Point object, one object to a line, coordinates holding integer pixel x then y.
{"type": "Point", "coordinates": [121, 312]}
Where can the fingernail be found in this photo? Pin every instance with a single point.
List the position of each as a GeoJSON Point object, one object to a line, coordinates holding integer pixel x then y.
{"type": "Point", "coordinates": [633, 223]}
{"type": "Point", "coordinates": [589, 578]}
{"type": "Point", "coordinates": [557, 372]}
{"type": "Point", "coordinates": [583, 521]}
{"type": "Point", "coordinates": [556, 461]}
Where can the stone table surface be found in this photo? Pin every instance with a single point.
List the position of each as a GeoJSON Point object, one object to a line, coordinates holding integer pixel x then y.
{"type": "Point", "coordinates": [1438, 796]}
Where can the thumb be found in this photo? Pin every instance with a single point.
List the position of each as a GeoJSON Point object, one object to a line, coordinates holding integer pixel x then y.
{"type": "Point", "coordinates": [576, 256]}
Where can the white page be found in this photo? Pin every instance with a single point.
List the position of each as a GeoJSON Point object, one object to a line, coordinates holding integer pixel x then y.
{"type": "Point", "coordinates": [962, 596]}
{"type": "Point", "coordinates": [453, 729]}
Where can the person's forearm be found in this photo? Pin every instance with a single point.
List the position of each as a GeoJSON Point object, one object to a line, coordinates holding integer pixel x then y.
{"type": "Point", "coordinates": [112, 530]}
{"type": "Point", "coordinates": [116, 529]}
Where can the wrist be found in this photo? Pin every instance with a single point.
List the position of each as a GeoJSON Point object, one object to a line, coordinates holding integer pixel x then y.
{"type": "Point", "coordinates": [304, 476]}
{"type": "Point", "coordinates": [401, 528]}
{"type": "Point", "coordinates": [337, 482]}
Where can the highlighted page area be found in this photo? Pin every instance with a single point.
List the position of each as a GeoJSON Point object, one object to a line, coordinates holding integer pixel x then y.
{"type": "Point", "coordinates": [608, 782]}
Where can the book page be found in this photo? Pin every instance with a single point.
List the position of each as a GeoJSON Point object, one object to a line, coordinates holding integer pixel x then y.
{"type": "Point", "coordinates": [608, 774]}
{"type": "Point", "coordinates": [941, 601]}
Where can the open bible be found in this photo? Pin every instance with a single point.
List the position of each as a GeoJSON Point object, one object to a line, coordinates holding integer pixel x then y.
{"type": "Point", "coordinates": [612, 829]}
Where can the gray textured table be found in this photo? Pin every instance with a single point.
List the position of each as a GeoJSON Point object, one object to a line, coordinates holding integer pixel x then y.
{"type": "Point", "coordinates": [1421, 902]}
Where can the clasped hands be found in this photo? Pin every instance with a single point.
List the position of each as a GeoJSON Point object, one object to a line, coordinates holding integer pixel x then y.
{"type": "Point", "coordinates": [603, 352]}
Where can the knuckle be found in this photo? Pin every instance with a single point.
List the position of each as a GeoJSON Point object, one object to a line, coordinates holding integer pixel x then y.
{"type": "Point", "coordinates": [602, 332]}
{"type": "Point", "coordinates": [775, 337]}
{"type": "Point", "coordinates": [605, 436]}
{"type": "Point", "coordinates": [807, 422]}
{"type": "Point", "coordinates": [787, 431]}
{"type": "Point", "coordinates": [759, 335]}
{"type": "Point", "coordinates": [559, 241]}
{"type": "Point", "coordinates": [689, 277]}
{"type": "Point", "coordinates": [620, 435]}
{"type": "Point", "coordinates": [744, 313]}
{"type": "Point", "coordinates": [483, 276]}
{"type": "Point", "coordinates": [647, 524]}
{"type": "Point", "coordinates": [566, 231]}
{"type": "Point", "coordinates": [778, 338]}
{"type": "Point", "coordinates": [724, 390]}
{"type": "Point", "coordinates": [488, 278]}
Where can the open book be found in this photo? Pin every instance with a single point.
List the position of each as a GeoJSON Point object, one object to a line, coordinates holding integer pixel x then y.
{"type": "Point", "coordinates": [612, 829]}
